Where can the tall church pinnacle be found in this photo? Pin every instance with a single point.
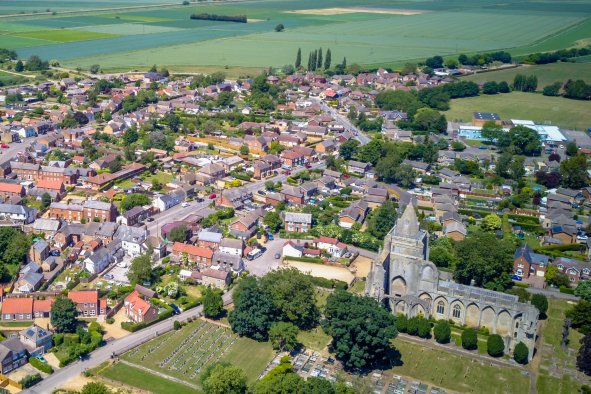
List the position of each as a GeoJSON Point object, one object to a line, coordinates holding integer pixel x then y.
{"type": "Point", "coordinates": [407, 226]}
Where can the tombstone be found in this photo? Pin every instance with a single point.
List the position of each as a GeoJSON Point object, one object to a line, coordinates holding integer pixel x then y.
{"type": "Point", "coordinates": [565, 329]}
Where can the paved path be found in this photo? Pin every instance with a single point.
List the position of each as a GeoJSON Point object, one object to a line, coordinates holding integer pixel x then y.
{"type": "Point", "coordinates": [553, 293]}
{"type": "Point", "coordinates": [117, 347]}
{"type": "Point", "coordinates": [344, 121]}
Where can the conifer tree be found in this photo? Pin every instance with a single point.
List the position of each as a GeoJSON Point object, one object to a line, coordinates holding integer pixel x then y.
{"type": "Point", "coordinates": [319, 60]}
{"type": "Point", "coordinates": [298, 61]}
{"type": "Point", "coordinates": [327, 59]}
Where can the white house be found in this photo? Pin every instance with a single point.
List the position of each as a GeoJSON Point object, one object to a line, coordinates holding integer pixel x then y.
{"type": "Point", "coordinates": [133, 239]}
{"type": "Point", "coordinates": [292, 250]}
{"type": "Point", "coordinates": [168, 201]}
{"type": "Point", "coordinates": [331, 245]}
{"type": "Point", "coordinates": [27, 131]}
{"type": "Point", "coordinates": [232, 246]}
{"type": "Point", "coordinates": [18, 213]}
{"type": "Point", "coordinates": [103, 257]}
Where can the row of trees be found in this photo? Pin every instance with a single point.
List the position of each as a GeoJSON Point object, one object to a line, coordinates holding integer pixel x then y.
{"type": "Point", "coordinates": [223, 18]}
{"type": "Point", "coordinates": [315, 60]}
{"type": "Point", "coordinates": [577, 90]}
{"type": "Point", "coordinates": [556, 56]}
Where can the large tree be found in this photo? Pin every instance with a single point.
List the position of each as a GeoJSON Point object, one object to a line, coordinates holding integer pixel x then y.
{"type": "Point", "coordinates": [540, 301]}
{"type": "Point", "coordinates": [254, 311]}
{"type": "Point", "coordinates": [574, 172]}
{"type": "Point", "coordinates": [521, 353]}
{"type": "Point", "coordinates": [583, 290]}
{"type": "Point", "coordinates": [361, 329]}
{"type": "Point", "coordinates": [382, 220]}
{"type": "Point", "coordinates": [223, 378]}
{"type": "Point", "coordinates": [273, 220]}
{"type": "Point", "coordinates": [484, 258]}
{"type": "Point", "coordinates": [580, 316]}
{"type": "Point", "coordinates": [283, 336]}
{"type": "Point", "coordinates": [291, 292]}
{"type": "Point", "coordinates": [63, 315]}
{"type": "Point", "coordinates": [134, 200]}
{"type": "Point", "coordinates": [348, 149]}
{"type": "Point", "coordinates": [140, 270]}
{"type": "Point", "coordinates": [213, 304]}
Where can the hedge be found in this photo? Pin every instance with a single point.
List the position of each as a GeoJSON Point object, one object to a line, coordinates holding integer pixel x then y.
{"type": "Point", "coordinates": [34, 361]}
{"type": "Point", "coordinates": [562, 248]}
{"type": "Point", "coordinates": [133, 327]}
{"type": "Point", "coordinates": [30, 380]}
{"type": "Point", "coordinates": [329, 283]}
{"type": "Point", "coordinates": [316, 260]}
{"type": "Point", "coordinates": [567, 290]}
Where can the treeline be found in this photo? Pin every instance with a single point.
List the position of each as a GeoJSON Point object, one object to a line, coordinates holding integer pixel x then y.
{"type": "Point", "coordinates": [315, 60]}
{"type": "Point", "coordinates": [479, 59]}
{"type": "Point", "coordinates": [556, 56]}
{"type": "Point", "coordinates": [223, 18]}
{"type": "Point", "coordinates": [577, 90]}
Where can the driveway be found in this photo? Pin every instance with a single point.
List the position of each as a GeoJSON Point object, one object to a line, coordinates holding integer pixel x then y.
{"type": "Point", "coordinates": [267, 262]}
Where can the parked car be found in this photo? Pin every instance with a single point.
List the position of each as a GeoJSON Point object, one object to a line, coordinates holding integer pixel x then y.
{"type": "Point", "coordinates": [277, 256]}
{"type": "Point", "coordinates": [54, 252]}
{"type": "Point", "coordinates": [185, 205]}
{"type": "Point", "coordinates": [262, 193]}
{"type": "Point", "coordinates": [516, 277]}
{"type": "Point", "coordinates": [212, 196]}
{"type": "Point", "coordinates": [4, 146]}
{"type": "Point", "coordinates": [270, 237]}
{"type": "Point", "coordinates": [149, 219]}
{"type": "Point", "coordinates": [108, 276]}
{"type": "Point", "coordinates": [308, 165]}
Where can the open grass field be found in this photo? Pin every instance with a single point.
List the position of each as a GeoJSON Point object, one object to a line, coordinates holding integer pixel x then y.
{"type": "Point", "coordinates": [570, 114]}
{"type": "Point", "coordinates": [185, 353]}
{"type": "Point", "coordinates": [546, 73]}
{"type": "Point", "coordinates": [382, 32]}
{"type": "Point", "coordinates": [143, 380]}
{"type": "Point", "coordinates": [458, 373]}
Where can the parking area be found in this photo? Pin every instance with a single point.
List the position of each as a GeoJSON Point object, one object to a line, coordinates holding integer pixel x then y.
{"type": "Point", "coordinates": [118, 273]}
{"type": "Point", "coordinates": [581, 137]}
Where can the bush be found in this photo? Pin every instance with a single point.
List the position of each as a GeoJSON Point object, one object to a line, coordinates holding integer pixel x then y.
{"type": "Point", "coordinates": [521, 353]}
{"type": "Point", "coordinates": [442, 332]}
{"type": "Point", "coordinates": [58, 339]}
{"type": "Point", "coordinates": [166, 260]}
{"type": "Point", "coordinates": [71, 339]}
{"type": "Point", "coordinates": [40, 366]}
{"type": "Point", "coordinates": [110, 320]}
{"type": "Point", "coordinates": [567, 290]}
{"type": "Point", "coordinates": [495, 345]}
{"type": "Point", "coordinates": [177, 325]}
{"type": "Point", "coordinates": [30, 380]}
{"type": "Point", "coordinates": [469, 339]}
{"type": "Point", "coordinates": [402, 323]}
{"type": "Point", "coordinates": [540, 301]}
{"type": "Point", "coordinates": [329, 283]}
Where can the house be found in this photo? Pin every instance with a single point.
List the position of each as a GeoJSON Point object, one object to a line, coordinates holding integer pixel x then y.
{"type": "Point", "coordinates": [234, 198]}
{"type": "Point", "coordinates": [138, 309]}
{"type": "Point", "coordinates": [194, 254]}
{"type": "Point", "coordinates": [134, 216]}
{"type": "Point", "coordinates": [17, 308]}
{"type": "Point", "coordinates": [88, 303]}
{"type": "Point", "coordinates": [13, 354]}
{"type": "Point", "coordinates": [133, 239]}
{"type": "Point", "coordinates": [47, 226]}
{"type": "Point", "coordinates": [293, 158]}
{"type": "Point", "coordinates": [17, 213]}
{"type": "Point", "coordinates": [29, 282]}
{"type": "Point", "coordinates": [209, 239]}
{"type": "Point", "coordinates": [575, 270]}
{"type": "Point", "coordinates": [295, 222]}
{"type": "Point", "coordinates": [167, 201]}
{"type": "Point", "coordinates": [357, 167]}
{"type": "Point", "coordinates": [418, 166]}
{"type": "Point", "coordinates": [290, 249]}
{"type": "Point", "coordinates": [11, 190]}
{"type": "Point", "coordinates": [355, 213]}
{"type": "Point", "coordinates": [36, 339]}
{"type": "Point", "coordinates": [232, 246]}
{"type": "Point", "coordinates": [326, 146]}
{"type": "Point", "coordinates": [215, 278]}
{"type": "Point", "coordinates": [39, 251]}
{"type": "Point", "coordinates": [455, 230]}
{"type": "Point", "coordinates": [42, 308]}
{"type": "Point", "coordinates": [89, 210]}
{"type": "Point", "coordinates": [102, 257]}
{"type": "Point", "coordinates": [293, 194]}
{"type": "Point", "coordinates": [331, 245]}
{"type": "Point", "coordinates": [245, 226]}
{"type": "Point", "coordinates": [227, 262]}
{"type": "Point", "coordinates": [526, 263]}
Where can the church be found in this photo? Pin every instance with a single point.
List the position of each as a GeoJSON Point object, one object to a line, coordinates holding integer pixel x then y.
{"type": "Point", "coordinates": [404, 277]}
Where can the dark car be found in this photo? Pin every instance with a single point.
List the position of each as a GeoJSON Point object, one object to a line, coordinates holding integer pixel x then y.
{"type": "Point", "coordinates": [55, 252]}
{"type": "Point", "coordinates": [516, 277]}
{"type": "Point", "coordinates": [149, 219]}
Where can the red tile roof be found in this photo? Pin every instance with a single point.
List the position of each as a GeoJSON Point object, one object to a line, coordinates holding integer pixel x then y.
{"type": "Point", "coordinates": [17, 305]}
{"type": "Point", "coordinates": [217, 274]}
{"type": "Point", "coordinates": [48, 184]}
{"type": "Point", "coordinates": [192, 250]}
{"type": "Point", "coordinates": [43, 305]}
{"type": "Point", "coordinates": [138, 304]}
{"type": "Point", "coordinates": [84, 296]}
{"type": "Point", "coordinates": [11, 188]}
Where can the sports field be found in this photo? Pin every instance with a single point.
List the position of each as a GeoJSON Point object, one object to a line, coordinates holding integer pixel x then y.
{"type": "Point", "coordinates": [566, 113]}
{"type": "Point", "coordinates": [380, 32]}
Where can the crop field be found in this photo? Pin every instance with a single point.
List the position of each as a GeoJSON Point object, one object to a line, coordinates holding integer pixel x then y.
{"type": "Point", "coordinates": [381, 32]}
{"type": "Point", "coordinates": [566, 113]}
{"type": "Point", "coordinates": [185, 353]}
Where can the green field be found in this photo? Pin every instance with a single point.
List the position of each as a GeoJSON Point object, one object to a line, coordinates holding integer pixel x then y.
{"type": "Point", "coordinates": [185, 353]}
{"type": "Point", "coordinates": [377, 34]}
{"type": "Point", "coordinates": [458, 373]}
{"type": "Point", "coordinates": [559, 111]}
{"type": "Point", "coordinates": [546, 73]}
{"type": "Point", "coordinates": [143, 380]}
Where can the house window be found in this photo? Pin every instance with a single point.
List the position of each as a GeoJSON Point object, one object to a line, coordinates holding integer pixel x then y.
{"type": "Point", "coordinates": [440, 308]}
{"type": "Point", "coordinates": [560, 266]}
{"type": "Point", "coordinates": [457, 312]}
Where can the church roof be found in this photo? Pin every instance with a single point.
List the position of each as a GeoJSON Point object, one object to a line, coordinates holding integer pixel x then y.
{"type": "Point", "coordinates": [407, 225]}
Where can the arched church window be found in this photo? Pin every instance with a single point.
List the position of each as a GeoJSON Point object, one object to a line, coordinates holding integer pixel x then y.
{"type": "Point", "coordinates": [440, 308]}
{"type": "Point", "coordinates": [457, 312]}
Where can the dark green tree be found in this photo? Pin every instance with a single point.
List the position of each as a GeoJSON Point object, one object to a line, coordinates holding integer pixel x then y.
{"type": "Point", "coordinates": [19, 67]}
{"type": "Point", "coordinates": [521, 353]}
{"type": "Point", "coordinates": [580, 316]}
{"type": "Point", "coordinates": [382, 220]}
{"type": "Point", "coordinates": [540, 301]}
{"type": "Point", "coordinates": [571, 148]}
{"type": "Point", "coordinates": [469, 339]}
{"type": "Point", "coordinates": [327, 59]}
{"type": "Point", "coordinates": [491, 131]}
{"type": "Point", "coordinates": [140, 270]}
{"type": "Point", "coordinates": [63, 315]}
{"type": "Point", "coordinates": [178, 234]}
{"type": "Point", "coordinates": [348, 149]}
{"type": "Point", "coordinates": [583, 290]}
{"type": "Point", "coordinates": [574, 172]}
{"type": "Point", "coordinates": [45, 200]}
{"type": "Point", "coordinates": [442, 331]}
{"type": "Point", "coordinates": [283, 336]}
{"type": "Point", "coordinates": [319, 59]}
{"type": "Point", "coordinates": [95, 388]}
{"type": "Point", "coordinates": [584, 355]}
{"type": "Point", "coordinates": [223, 378]}
{"type": "Point", "coordinates": [273, 220]}
{"type": "Point", "coordinates": [361, 330]}
{"type": "Point", "coordinates": [254, 311]}
{"type": "Point", "coordinates": [298, 61]}
{"type": "Point", "coordinates": [495, 345]}
{"type": "Point", "coordinates": [213, 304]}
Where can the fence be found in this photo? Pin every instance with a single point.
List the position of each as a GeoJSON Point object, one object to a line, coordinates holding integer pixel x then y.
{"type": "Point", "coordinates": [114, 309]}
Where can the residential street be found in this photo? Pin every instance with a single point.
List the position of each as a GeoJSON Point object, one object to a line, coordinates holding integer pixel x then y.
{"type": "Point", "coordinates": [118, 346]}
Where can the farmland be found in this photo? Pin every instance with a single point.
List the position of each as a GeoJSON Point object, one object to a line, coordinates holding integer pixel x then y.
{"type": "Point", "coordinates": [516, 105]}
{"type": "Point", "coordinates": [379, 33]}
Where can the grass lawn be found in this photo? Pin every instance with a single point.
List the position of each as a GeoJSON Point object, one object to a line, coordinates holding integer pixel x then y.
{"type": "Point", "coordinates": [250, 355]}
{"type": "Point", "coordinates": [126, 184]}
{"type": "Point", "coordinates": [315, 339]}
{"type": "Point", "coordinates": [64, 35]}
{"type": "Point", "coordinates": [162, 177]}
{"type": "Point", "coordinates": [458, 373]}
{"type": "Point", "coordinates": [146, 381]}
{"type": "Point", "coordinates": [16, 323]}
{"type": "Point", "coordinates": [546, 73]}
{"type": "Point", "coordinates": [517, 105]}
{"type": "Point", "coordinates": [358, 287]}
{"type": "Point", "coordinates": [321, 296]}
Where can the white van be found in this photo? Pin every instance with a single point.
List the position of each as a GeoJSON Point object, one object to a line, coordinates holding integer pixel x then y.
{"type": "Point", "coordinates": [253, 254]}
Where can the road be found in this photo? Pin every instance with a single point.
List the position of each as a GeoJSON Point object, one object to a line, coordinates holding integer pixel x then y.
{"type": "Point", "coordinates": [118, 346]}
{"type": "Point", "coordinates": [345, 122]}
{"type": "Point", "coordinates": [8, 154]}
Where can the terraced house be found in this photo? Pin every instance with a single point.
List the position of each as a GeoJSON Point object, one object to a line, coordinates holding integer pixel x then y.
{"type": "Point", "coordinates": [89, 211]}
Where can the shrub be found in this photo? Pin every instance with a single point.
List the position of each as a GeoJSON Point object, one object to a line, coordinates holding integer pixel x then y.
{"type": "Point", "coordinates": [424, 328]}
{"type": "Point", "coordinates": [40, 366]}
{"type": "Point", "coordinates": [177, 325]}
{"type": "Point", "coordinates": [71, 339]}
{"type": "Point", "coordinates": [521, 353]}
{"type": "Point", "coordinates": [30, 380]}
{"type": "Point", "coordinates": [495, 345]}
{"type": "Point", "coordinates": [540, 301]}
{"type": "Point", "coordinates": [402, 323]}
{"type": "Point", "coordinates": [442, 332]}
{"type": "Point", "coordinates": [58, 339]}
{"type": "Point", "coordinates": [166, 260]}
{"type": "Point", "coordinates": [110, 320]}
{"type": "Point", "coordinates": [469, 339]}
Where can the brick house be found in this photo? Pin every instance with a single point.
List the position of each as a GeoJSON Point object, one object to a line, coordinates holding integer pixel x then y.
{"type": "Point", "coordinates": [297, 222]}
{"type": "Point", "coordinates": [234, 198]}
{"type": "Point", "coordinates": [39, 251]}
{"type": "Point", "coordinates": [216, 278]}
{"type": "Point", "coordinates": [11, 190]}
{"type": "Point", "coordinates": [246, 225]}
{"type": "Point", "coordinates": [17, 308]}
{"type": "Point", "coordinates": [195, 254]}
{"type": "Point", "coordinates": [88, 303]}
{"type": "Point", "coordinates": [89, 210]}
{"type": "Point", "coordinates": [261, 169]}
{"type": "Point", "coordinates": [526, 263]}
{"type": "Point", "coordinates": [293, 194]}
{"type": "Point", "coordinates": [139, 310]}
{"type": "Point", "coordinates": [575, 270]}
{"type": "Point", "coordinates": [292, 158]}
{"type": "Point", "coordinates": [331, 245]}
